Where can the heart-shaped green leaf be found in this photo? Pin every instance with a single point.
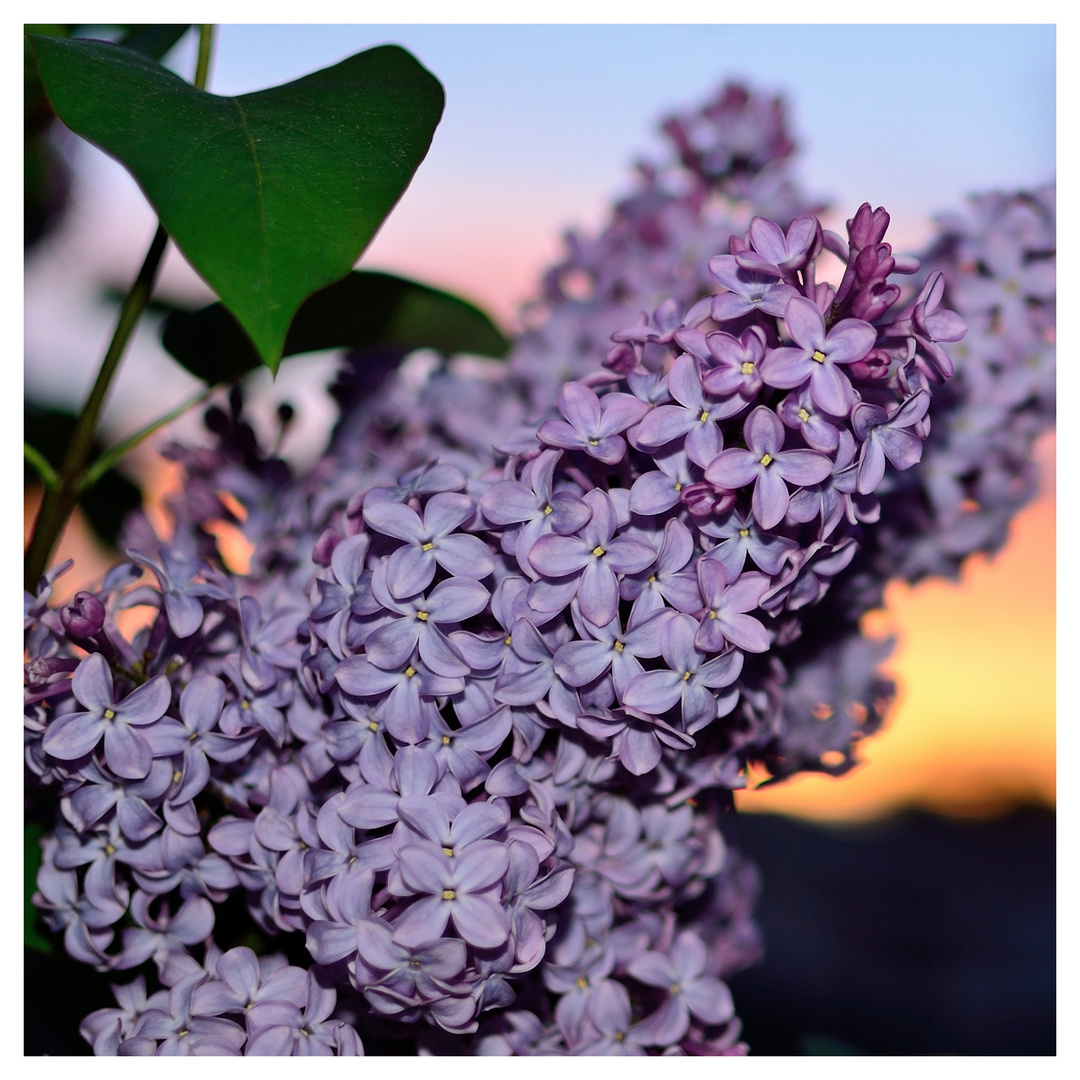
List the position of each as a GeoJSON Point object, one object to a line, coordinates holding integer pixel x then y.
{"type": "Point", "coordinates": [270, 195]}
{"type": "Point", "coordinates": [363, 310]}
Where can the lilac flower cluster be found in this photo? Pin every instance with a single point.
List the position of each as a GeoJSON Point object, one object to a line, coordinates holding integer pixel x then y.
{"type": "Point", "coordinates": [466, 733]}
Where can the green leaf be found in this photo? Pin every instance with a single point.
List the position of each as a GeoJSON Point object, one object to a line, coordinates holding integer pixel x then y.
{"type": "Point", "coordinates": [362, 310]}
{"type": "Point", "coordinates": [33, 938]}
{"type": "Point", "coordinates": [153, 39]}
{"type": "Point", "coordinates": [271, 195]}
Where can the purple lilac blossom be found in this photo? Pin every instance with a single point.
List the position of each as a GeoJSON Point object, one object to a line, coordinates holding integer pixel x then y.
{"type": "Point", "coordinates": [490, 823]}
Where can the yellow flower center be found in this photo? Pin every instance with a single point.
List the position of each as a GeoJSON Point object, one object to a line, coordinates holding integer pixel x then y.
{"type": "Point", "coordinates": [704, 415]}
{"type": "Point", "coordinates": [446, 740]}
{"type": "Point", "coordinates": [803, 415]}
{"type": "Point", "coordinates": [819, 356]}
{"type": "Point", "coordinates": [547, 510]}
{"type": "Point", "coordinates": [598, 551]}
{"type": "Point", "coordinates": [747, 368]}
{"type": "Point", "coordinates": [427, 547]}
{"type": "Point", "coordinates": [410, 671]}
{"type": "Point", "coordinates": [109, 714]}
{"type": "Point", "coordinates": [448, 894]}
{"type": "Point", "coordinates": [422, 616]}
{"type": "Point", "coordinates": [766, 459]}
{"type": "Point", "coordinates": [686, 676]}
{"type": "Point", "coordinates": [619, 646]}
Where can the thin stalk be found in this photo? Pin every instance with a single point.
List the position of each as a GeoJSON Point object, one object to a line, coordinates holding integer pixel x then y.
{"type": "Point", "coordinates": [38, 461]}
{"type": "Point", "coordinates": [111, 456]}
{"type": "Point", "coordinates": [61, 499]}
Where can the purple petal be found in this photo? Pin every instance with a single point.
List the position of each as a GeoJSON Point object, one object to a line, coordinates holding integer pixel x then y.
{"type": "Point", "coordinates": [480, 921]}
{"type": "Point", "coordinates": [831, 390]}
{"type": "Point", "coordinates": [92, 683]}
{"type": "Point", "coordinates": [73, 735]}
{"type": "Point", "coordinates": [410, 569]}
{"type": "Point", "coordinates": [393, 519]}
{"type": "Point", "coordinates": [806, 323]}
{"type": "Point", "coordinates": [127, 753]}
{"type": "Point", "coordinates": [770, 499]}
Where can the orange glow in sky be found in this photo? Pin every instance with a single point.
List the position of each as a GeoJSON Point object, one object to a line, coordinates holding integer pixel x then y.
{"type": "Point", "coordinates": [973, 728]}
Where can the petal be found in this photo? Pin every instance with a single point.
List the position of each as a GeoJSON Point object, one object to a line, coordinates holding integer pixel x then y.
{"type": "Point", "coordinates": [806, 323]}
{"type": "Point", "coordinates": [733, 469]}
{"type": "Point", "coordinates": [598, 592]}
{"type": "Point", "coordinates": [664, 424]}
{"type": "Point", "coordinates": [654, 692]}
{"type": "Point", "coordinates": [446, 511]}
{"type": "Point", "coordinates": [803, 466]}
{"type": "Point", "coordinates": [849, 340]}
{"type": "Point", "coordinates": [830, 389]}
{"type": "Point", "coordinates": [480, 921]}
{"type": "Point", "coordinates": [74, 735]}
{"type": "Point", "coordinates": [786, 367]}
{"type": "Point", "coordinates": [409, 570]}
{"type": "Point", "coordinates": [92, 683]}
{"type": "Point", "coordinates": [457, 599]}
{"type": "Point", "coordinates": [423, 922]}
{"type": "Point", "coordinates": [580, 405]}
{"type": "Point", "coordinates": [391, 645]}
{"type": "Point", "coordinates": [763, 431]}
{"type": "Point", "coordinates": [580, 662]}
{"type": "Point", "coordinates": [559, 556]}
{"type": "Point", "coordinates": [393, 519]}
{"type": "Point", "coordinates": [770, 499]}
{"type": "Point", "coordinates": [127, 753]}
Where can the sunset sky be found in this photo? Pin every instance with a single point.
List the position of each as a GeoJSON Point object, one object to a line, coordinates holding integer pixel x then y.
{"type": "Point", "coordinates": [541, 129]}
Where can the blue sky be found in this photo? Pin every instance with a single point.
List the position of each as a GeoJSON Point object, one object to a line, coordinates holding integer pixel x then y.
{"type": "Point", "coordinates": [909, 116]}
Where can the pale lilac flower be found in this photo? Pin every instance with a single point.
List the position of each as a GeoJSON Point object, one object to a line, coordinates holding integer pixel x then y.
{"type": "Point", "coordinates": [816, 354]}
{"type": "Point", "coordinates": [128, 753]}
{"type": "Point", "coordinates": [885, 436]}
{"type": "Point", "coordinates": [464, 890]}
{"type": "Point", "coordinates": [590, 560]}
{"type": "Point", "coordinates": [592, 423]}
{"type": "Point", "coordinates": [432, 540]}
{"type": "Point", "coordinates": [694, 418]}
{"type": "Point", "coordinates": [280, 1028]}
{"type": "Point", "coordinates": [687, 681]}
{"type": "Point", "coordinates": [724, 619]}
{"type": "Point", "coordinates": [417, 627]}
{"type": "Point", "coordinates": [179, 1032]}
{"type": "Point", "coordinates": [767, 465]}
{"type": "Point", "coordinates": [690, 991]}
{"type": "Point", "coordinates": [746, 290]}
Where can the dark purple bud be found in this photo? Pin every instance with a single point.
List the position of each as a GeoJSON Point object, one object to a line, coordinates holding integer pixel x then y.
{"type": "Point", "coordinates": [324, 547]}
{"type": "Point", "coordinates": [867, 226]}
{"type": "Point", "coordinates": [84, 616]}
{"type": "Point", "coordinates": [872, 301]}
{"type": "Point", "coordinates": [621, 359]}
{"type": "Point", "coordinates": [874, 263]}
{"type": "Point", "coordinates": [874, 365]}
